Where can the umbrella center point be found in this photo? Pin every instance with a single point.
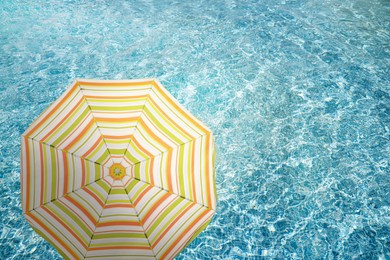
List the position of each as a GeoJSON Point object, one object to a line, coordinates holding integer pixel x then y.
{"type": "Point", "coordinates": [117, 171]}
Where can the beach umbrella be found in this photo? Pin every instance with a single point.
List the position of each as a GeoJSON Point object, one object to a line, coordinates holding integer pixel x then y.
{"type": "Point", "coordinates": [118, 170]}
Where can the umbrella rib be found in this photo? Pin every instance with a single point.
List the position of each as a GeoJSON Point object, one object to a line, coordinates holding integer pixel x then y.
{"type": "Point", "coordinates": [65, 151]}
{"type": "Point", "coordinates": [178, 146]}
{"type": "Point", "coordinates": [174, 193]}
{"type": "Point", "coordinates": [70, 173]}
{"type": "Point", "coordinates": [192, 140]}
{"type": "Point", "coordinates": [139, 220]}
{"type": "Point", "coordinates": [44, 204]}
{"type": "Point", "coordinates": [58, 149]}
{"type": "Point", "coordinates": [135, 127]}
{"type": "Point", "coordinates": [94, 120]}
{"type": "Point", "coordinates": [97, 222]}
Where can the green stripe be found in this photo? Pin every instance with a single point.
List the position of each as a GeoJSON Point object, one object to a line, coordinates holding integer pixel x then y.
{"type": "Point", "coordinates": [101, 184]}
{"type": "Point", "coordinates": [74, 217]}
{"type": "Point", "coordinates": [120, 141]}
{"type": "Point", "coordinates": [72, 127]}
{"type": "Point", "coordinates": [119, 235]}
{"type": "Point", "coordinates": [116, 191]}
{"type": "Point", "coordinates": [161, 217]}
{"type": "Point", "coordinates": [55, 114]}
{"type": "Point", "coordinates": [177, 229]}
{"type": "Point", "coordinates": [97, 149]}
{"type": "Point", "coordinates": [190, 162]}
{"type": "Point", "coordinates": [88, 141]}
{"type": "Point", "coordinates": [160, 126]}
{"type": "Point", "coordinates": [117, 151]}
{"type": "Point", "coordinates": [133, 159]}
{"type": "Point", "coordinates": [67, 223]}
{"type": "Point", "coordinates": [103, 157]}
{"type": "Point", "coordinates": [53, 173]}
{"type": "Point", "coordinates": [58, 233]}
{"type": "Point", "coordinates": [117, 243]}
{"type": "Point", "coordinates": [98, 171]}
{"type": "Point", "coordinates": [131, 186]}
{"type": "Point", "coordinates": [53, 243]}
{"type": "Point", "coordinates": [141, 189]}
{"type": "Point", "coordinates": [45, 166]}
{"type": "Point", "coordinates": [180, 170]}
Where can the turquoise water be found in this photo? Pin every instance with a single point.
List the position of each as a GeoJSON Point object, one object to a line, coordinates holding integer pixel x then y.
{"type": "Point", "coordinates": [296, 92]}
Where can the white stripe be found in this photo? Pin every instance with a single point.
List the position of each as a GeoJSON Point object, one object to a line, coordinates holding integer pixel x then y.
{"type": "Point", "coordinates": [113, 252]}
{"type": "Point", "coordinates": [51, 238]}
{"type": "Point", "coordinates": [58, 116]}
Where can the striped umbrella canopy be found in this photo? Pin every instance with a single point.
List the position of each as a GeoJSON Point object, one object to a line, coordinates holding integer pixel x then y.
{"type": "Point", "coordinates": [118, 170]}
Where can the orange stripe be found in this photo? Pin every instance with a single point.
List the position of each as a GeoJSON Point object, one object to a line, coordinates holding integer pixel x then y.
{"type": "Point", "coordinates": [62, 120]}
{"type": "Point", "coordinates": [139, 146]}
{"type": "Point", "coordinates": [80, 135]}
{"type": "Point", "coordinates": [22, 192]}
{"type": "Point", "coordinates": [118, 223]}
{"type": "Point", "coordinates": [81, 208]}
{"type": "Point", "coordinates": [42, 173]}
{"type": "Point", "coordinates": [155, 206]}
{"type": "Point", "coordinates": [66, 172]}
{"type": "Point", "coordinates": [82, 172]}
{"type": "Point", "coordinates": [117, 137]}
{"type": "Point", "coordinates": [184, 233]}
{"type": "Point", "coordinates": [168, 170]}
{"type": "Point", "coordinates": [93, 147]}
{"type": "Point", "coordinates": [60, 103]}
{"type": "Point", "coordinates": [180, 249]}
{"type": "Point", "coordinates": [151, 166]}
{"type": "Point", "coordinates": [148, 188]}
{"type": "Point", "coordinates": [114, 156]}
{"type": "Point", "coordinates": [117, 205]}
{"type": "Point", "coordinates": [27, 174]}
{"type": "Point", "coordinates": [162, 209]}
{"type": "Point", "coordinates": [53, 196]}
{"type": "Point", "coordinates": [115, 97]}
{"type": "Point", "coordinates": [173, 223]}
{"type": "Point", "coordinates": [65, 225]}
{"type": "Point", "coordinates": [145, 128]}
{"type": "Point", "coordinates": [74, 130]}
{"type": "Point", "coordinates": [207, 170]}
{"type": "Point", "coordinates": [170, 119]}
{"type": "Point", "coordinates": [60, 241]}
{"type": "Point", "coordinates": [93, 195]}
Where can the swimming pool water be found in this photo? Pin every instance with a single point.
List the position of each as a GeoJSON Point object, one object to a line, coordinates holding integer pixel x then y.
{"type": "Point", "coordinates": [296, 92]}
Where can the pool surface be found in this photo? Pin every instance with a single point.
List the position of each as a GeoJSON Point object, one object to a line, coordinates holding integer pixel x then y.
{"type": "Point", "coordinates": [296, 92]}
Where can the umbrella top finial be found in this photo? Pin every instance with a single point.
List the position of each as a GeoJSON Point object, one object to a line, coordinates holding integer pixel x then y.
{"type": "Point", "coordinates": [117, 171]}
